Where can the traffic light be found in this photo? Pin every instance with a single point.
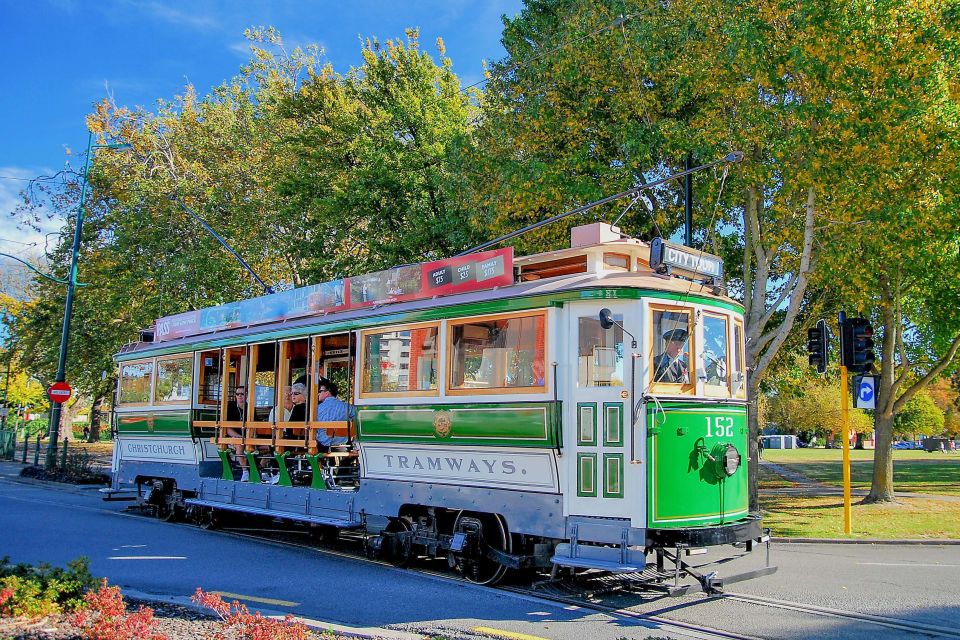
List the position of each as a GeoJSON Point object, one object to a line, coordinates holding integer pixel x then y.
{"type": "Point", "coordinates": [857, 345]}
{"type": "Point", "coordinates": [818, 346]}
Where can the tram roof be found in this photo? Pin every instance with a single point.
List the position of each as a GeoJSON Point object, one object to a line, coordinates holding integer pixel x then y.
{"type": "Point", "coordinates": [524, 295]}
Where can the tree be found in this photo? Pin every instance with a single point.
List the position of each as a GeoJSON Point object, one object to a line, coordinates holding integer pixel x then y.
{"type": "Point", "coordinates": [378, 160]}
{"type": "Point", "coordinates": [845, 112]}
{"type": "Point", "coordinates": [919, 416]}
{"type": "Point", "coordinates": [807, 403]}
{"type": "Point", "coordinates": [307, 174]}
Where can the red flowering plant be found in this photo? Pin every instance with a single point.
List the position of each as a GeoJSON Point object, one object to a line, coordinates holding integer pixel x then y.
{"type": "Point", "coordinates": [239, 622]}
{"type": "Point", "coordinates": [105, 617]}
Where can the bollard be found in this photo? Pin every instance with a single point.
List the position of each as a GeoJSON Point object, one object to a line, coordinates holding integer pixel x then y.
{"type": "Point", "coordinates": [36, 454]}
{"type": "Point", "coordinates": [26, 445]}
{"type": "Point", "coordinates": [63, 456]}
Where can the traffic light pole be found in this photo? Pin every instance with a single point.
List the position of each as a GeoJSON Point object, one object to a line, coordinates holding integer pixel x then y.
{"type": "Point", "coordinates": [845, 433]}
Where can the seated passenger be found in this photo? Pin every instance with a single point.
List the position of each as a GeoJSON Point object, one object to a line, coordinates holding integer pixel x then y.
{"type": "Point", "coordinates": [330, 408]}
{"type": "Point", "coordinates": [235, 411]}
{"type": "Point", "coordinates": [287, 407]}
{"type": "Point", "coordinates": [298, 402]}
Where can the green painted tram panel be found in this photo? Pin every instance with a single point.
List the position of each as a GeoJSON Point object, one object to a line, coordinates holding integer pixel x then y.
{"type": "Point", "coordinates": [684, 486]}
{"type": "Point", "coordinates": [153, 423]}
{"type": "Point", "coordinates": [507, 424]}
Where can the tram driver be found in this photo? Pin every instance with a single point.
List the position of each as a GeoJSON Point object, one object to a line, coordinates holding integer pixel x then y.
{"type": "Point", "coordinates": [671, 365]}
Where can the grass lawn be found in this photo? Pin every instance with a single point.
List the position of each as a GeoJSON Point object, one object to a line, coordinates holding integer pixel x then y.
{"type": "Point", "coordinates": [822, 517]}
{"type": "Point", "coordinates": [913, 471]}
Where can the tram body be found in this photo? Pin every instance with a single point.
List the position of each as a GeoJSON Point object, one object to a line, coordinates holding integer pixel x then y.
{"type": "Point", "coordinates": [503, 427]}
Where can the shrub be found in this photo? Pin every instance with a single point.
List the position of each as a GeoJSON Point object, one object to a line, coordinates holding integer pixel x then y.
{"type": "Point", "coordinates": [238, 620]}
{"type": "Point", "coordinates": [44, 590]}
{"type": "Point", "coordinates": [105, 617]}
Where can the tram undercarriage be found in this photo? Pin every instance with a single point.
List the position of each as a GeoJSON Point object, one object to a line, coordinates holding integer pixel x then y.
{"type": "Point", "coordinates": [477, 546]}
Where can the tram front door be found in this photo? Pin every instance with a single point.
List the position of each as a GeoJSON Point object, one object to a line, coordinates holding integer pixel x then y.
{"type": "Point", "coordinates": [603, 480]}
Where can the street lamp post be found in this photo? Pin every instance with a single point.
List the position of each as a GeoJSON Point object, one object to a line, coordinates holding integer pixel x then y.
{"type": "Point", "coordinates": [56, 407]}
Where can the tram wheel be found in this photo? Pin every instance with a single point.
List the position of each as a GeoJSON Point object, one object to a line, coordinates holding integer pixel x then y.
{"type": "Point", "coordinates": [399, 553]}
{"type": "Point", "coordinates": [488, 531]}
{"type": "Point", "coordinates": [169, 509]}
{"type": "Point", "coordinates": [208, 519]}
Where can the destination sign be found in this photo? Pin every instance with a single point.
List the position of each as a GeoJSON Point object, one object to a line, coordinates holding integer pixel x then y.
{"type": "Point", "coordinates": [686, 259]}
{"type": "Point", "coordinates": [461, 274]}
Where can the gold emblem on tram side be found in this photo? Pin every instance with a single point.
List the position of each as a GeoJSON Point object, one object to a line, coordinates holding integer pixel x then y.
{"type": "Point", "coordinates": [441, 424]}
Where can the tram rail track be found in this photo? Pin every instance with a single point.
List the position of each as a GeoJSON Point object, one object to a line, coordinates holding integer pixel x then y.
{"type": "Point", "coordinates": [883, 621]}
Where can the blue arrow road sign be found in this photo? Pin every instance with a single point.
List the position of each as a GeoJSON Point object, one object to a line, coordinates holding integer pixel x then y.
{"type": "Point", "coordinates": [866, 393]}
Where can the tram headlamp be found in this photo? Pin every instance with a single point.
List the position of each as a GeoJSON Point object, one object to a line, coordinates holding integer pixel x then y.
{"type": "Point", "coordinates": [726, 460]}
{"type": "Point", "coordinates": [731, 460]}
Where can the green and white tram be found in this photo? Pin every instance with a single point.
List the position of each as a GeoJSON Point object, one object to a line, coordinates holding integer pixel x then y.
{"type": "Point", "coordinates": [576, 409]}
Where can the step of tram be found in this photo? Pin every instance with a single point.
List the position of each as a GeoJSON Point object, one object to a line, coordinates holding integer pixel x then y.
{"type": "Point", "coordinates": [302, 504]}
{"type": "Point", "coordinates": [609, 544]}
{"type": "Point", "coordinates": [340, 523]}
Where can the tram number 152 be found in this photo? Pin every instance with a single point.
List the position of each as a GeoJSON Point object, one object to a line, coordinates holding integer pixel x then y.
{"type": "Point", "coordinates": [720, 427]}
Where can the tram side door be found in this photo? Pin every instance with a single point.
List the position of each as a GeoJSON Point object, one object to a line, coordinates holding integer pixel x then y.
{"type": "Point", "coordinates": [602, 482]}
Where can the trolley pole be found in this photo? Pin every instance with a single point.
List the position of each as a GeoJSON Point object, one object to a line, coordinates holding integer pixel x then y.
{"type": "Point", "coordinates": [845, 434]}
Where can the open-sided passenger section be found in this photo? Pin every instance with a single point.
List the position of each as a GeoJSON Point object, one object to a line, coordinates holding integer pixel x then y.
{"type": "Point", "coordinates": [267, 407]}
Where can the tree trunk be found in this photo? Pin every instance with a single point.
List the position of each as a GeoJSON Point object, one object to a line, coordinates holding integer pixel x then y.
{"type": "Point", "coordinates": [95, 417]}
{"type": "Point", "coordinates": [881, 489]}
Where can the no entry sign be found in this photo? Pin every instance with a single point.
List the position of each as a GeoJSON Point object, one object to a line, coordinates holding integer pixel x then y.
{"type": "Point", "coordinates": [59, 392]}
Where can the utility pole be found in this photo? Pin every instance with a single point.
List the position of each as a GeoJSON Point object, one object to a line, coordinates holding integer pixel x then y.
{"type": "Point", "coordinates": [55, 408]}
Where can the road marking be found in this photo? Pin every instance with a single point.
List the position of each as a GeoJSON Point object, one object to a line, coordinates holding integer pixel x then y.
{"type": "Point", "coordinates": [240, 596]}
{"type": "Point", "coordinates": [506, 634]}
{"type": "Point", "coordinates": [905, 564]}
{"type": "Point", "coordinates": [147, 558]}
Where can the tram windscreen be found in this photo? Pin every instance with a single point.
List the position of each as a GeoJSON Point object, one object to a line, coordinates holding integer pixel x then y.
{"type": "Point", "coordinates": [671, 360]}
{"type": "Point", "coordinates": [714, 358]}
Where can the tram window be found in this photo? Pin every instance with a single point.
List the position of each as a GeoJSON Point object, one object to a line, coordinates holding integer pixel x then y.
{"type": "Point", "coordinates": [264, 358]}
{"type": "Point", "coordinates": [174, 380]}
{"type": "Point", "coordinates": [738, 377]}
{"type": "Point", "coordinates": [713, 358]}
{"type": "Point", "coordinates": [386, 370]}
{"type": "Point", "coordinates": [135, 380]}
{"type": "Point", "coordinates": [671, 347]}
{"type": "Point", "coordinates": [498, 353]}
{"type": "Point", "coordinates": [616, 261]}
{"type": "Point", "coordinates": [600, 354]}
{"type": "Point", "coordinates": [208, 388]}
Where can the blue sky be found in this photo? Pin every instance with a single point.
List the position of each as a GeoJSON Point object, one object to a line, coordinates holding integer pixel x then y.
{"type": "Point", "coordinates": [62, 56]}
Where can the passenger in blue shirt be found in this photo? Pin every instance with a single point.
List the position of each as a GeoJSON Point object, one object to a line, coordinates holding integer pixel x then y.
{"type": "Point", "coordinates": [330, 408]}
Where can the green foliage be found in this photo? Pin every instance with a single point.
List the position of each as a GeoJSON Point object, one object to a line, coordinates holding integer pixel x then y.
{"type": "Point", "coordinates": [38, 591]}
{"type": "Point", "coordinates": [307, 174]}
{"type": "Point", "coordinates": [919, 416]}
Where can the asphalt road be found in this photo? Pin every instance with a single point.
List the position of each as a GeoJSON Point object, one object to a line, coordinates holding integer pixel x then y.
{"type": "Point", "coordinates": [54, 524]}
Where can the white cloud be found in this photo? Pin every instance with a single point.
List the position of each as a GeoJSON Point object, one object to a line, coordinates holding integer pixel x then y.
{"type": "Point", "coordinates": [176, 17]}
